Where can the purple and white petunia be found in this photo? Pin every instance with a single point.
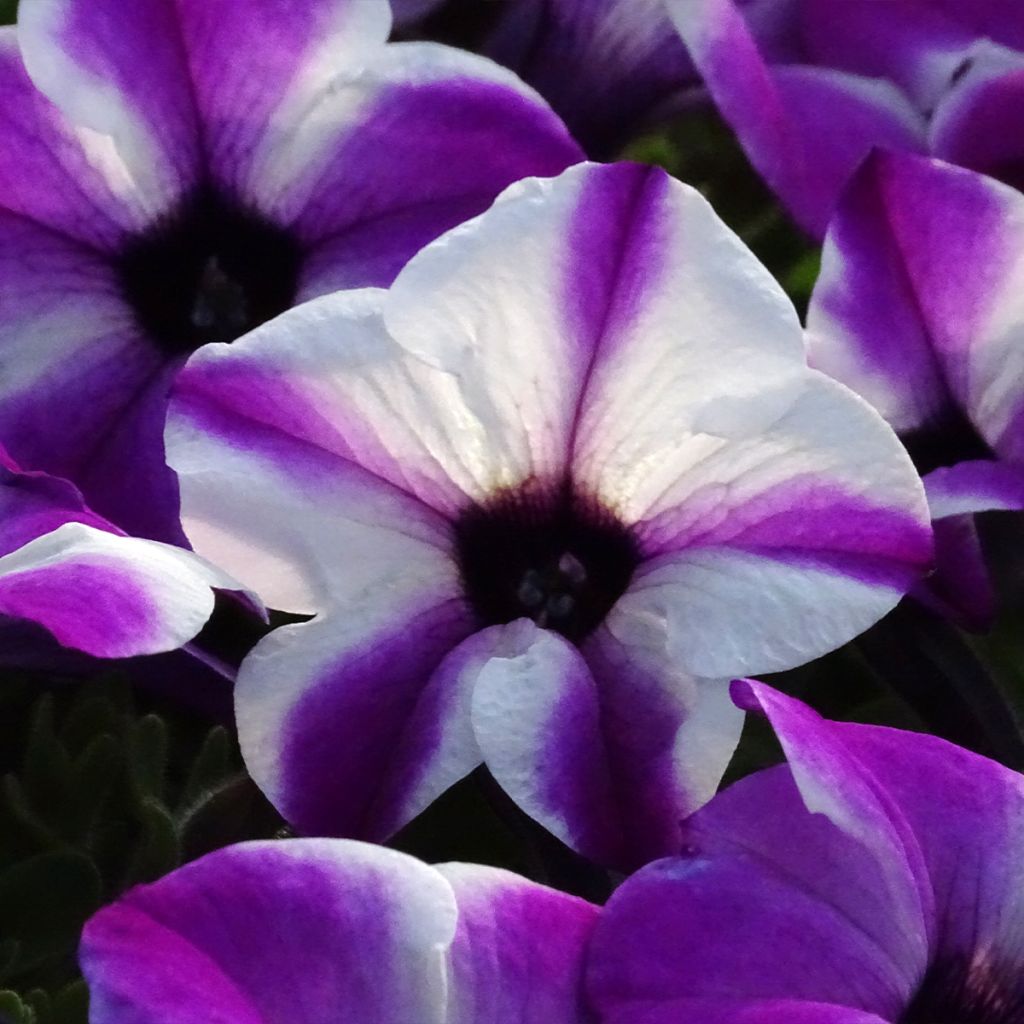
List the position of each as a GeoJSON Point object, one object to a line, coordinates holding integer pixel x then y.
{"type": "Point", "coordinates": [175, 172]}
{"type": "Point", "coordinates": [875, 878]}
{"type": "Point", "coordinates": [608, 67]}
{"type": "Point", "coordinates": [67, 571]}
{"type": "Point", "coordinates": [938, 76]}
{"type": "Point", "coordinates": [315, 930]}
{"type": "Point", "coordinates": [919, 308]}
{"type": "Point", "coordinates": [543, 496]}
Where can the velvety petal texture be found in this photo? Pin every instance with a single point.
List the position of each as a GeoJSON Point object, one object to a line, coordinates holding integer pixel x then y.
{"type": "Point", "coordinates": [878, 868]}
{"type": "Point", "coordinates": [145, 169]}
{"type": "Point", "coordinates": [311, 930]}
{"type": "Point", "coordinates": [599, 333]}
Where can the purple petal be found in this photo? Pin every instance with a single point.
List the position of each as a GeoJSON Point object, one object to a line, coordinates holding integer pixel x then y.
{"type": "Point", "coordinates": [246, 109]}
{"type": "Point", "coordinates": [50, 172]}
{"type": "Point", "coordinates": [961, 587]}
{"type": "Point", "coordinates": [978, 123]}
{"type": "Point", "coordinates": [967, 814]}
{"type": "Point", "coordinates": [518, 952]}
{"type": "Point", "coordinates": [338, 719]}
{"type": "Point", "coordinates": [894, 312]}
{"type": "Point", "coordinates": [805, 129]}
{"type": "Point", "coordinates": [917, 46]}
{"type": "Point", "coordinates": [609, 751]}
{"type": "Point", "coordinates": [774, 577]}
{"type": "Point", "coordinates": [977, 486]}
{"type": "Point", "coordinates": [32, 504]}
{"type": "Point", "coordinates": [264, 931]}
{"type": "Point", "coordinates": [120, 71]}
{"type": "Point", "coordinates": [69, 344]}
{"type": "Point", "coordinates": [108, 595]}
{"type": "Point", "coordinates": [766, 903]}
{"type": "Point", "coordinates": [299, 450]}
{"type": "Point", "coordinates": [466, 130]}
{"type": "Point", "coordinates": [537, 721]}
{"type": "Point", "coordinates": [963, 813]}
{"type": "Point", "coordinates": [603, 66]}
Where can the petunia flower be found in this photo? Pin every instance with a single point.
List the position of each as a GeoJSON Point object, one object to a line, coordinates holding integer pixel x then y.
{"type": "Point", "coordinates": [68, 572]}
{"type": "Point", "coordinates": [543, 496]}
{"type": "Point", "coordinates": [176, 172]}
{"type": "Point", "coordinates": [609, 66]}
{"type": "Point", "coordinates": [875, 878]}
{"type": "Point", "coordinates": [919, 309]}
{"type": "Point", "coordinates": [938, 76]}
{"type": "Point", "coordinates": [605, 66]}
{"type": "Point", "coordinates": [315, 930]}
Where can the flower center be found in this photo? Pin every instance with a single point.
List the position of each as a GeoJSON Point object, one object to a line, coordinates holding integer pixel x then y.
{"type": "Point", "coordinates": [958, 992]}
{"type": "Point", "coordinates": [559, 560]}
{"type": "Point", "coordinates": [210, 271]}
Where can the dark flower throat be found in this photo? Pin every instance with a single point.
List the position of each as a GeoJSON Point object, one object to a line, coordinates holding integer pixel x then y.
{"type": "Point", "coordinates": [210, 271]}
{"type": "Point", "coordinates": [559, 560]}
{"type": "Point", "coordinates": [955, 992]}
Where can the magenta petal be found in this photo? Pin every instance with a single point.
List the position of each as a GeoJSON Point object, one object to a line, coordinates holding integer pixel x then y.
{"type": "Point", "coordinates": [805, 129]}
{"type": "Point", "coordinates": [302, 931]}
{"type": "Point", "coordinates": [518, 952]}
{"type": "Point", "coordinates": [743, 917]}
{"type": "Point", "coordinates": [45, 173]}
{"type": "Point", "coordinates": [894, 315]}
{"type": "Point", "coordinates": [32, 504]}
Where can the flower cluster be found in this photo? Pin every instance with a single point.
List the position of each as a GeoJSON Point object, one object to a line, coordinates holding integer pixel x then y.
{"type": "Point", "coordinates": [469, 482]}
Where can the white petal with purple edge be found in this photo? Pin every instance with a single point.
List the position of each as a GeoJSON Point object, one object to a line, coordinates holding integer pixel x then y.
{"type": "Point", "coordinates": [348, 697]}
{"type": "Point", "coordinates": [311, 419]}
{"type": "Point", "coordinates": [108, 595]}
{"type": "Point", "coordinates": [773, 549]}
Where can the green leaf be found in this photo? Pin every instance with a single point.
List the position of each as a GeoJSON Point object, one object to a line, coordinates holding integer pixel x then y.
{"type": "Point", "coordinates": [27, 829]}
{"type": "Point", "coordinates": [44, 901]}
{"type": "Point", "coordinates": [47, 771]}
{"type": "Point", "coordinates": [69, 1006]}
{"type": "Point", "coordinates": [96, 771]}
{"type": "Point", "coordinates": [13, 1010]}
{"type": "Point", "coordinates": [212, 764]}
{"type": "Point", "coordinates": [159, 849]}
{"type": "Point", "coordinates": [147, 757]}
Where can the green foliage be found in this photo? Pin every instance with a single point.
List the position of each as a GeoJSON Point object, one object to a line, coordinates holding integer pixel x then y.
{"type": "Point", "coordinates": [98, 795]}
